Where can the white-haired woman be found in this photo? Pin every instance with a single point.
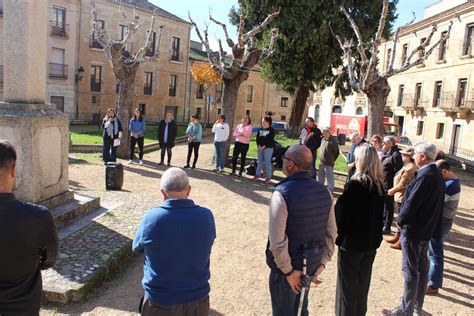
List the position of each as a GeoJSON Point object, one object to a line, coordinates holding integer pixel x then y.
{"type": "Point", "coordinates": [359, 218]}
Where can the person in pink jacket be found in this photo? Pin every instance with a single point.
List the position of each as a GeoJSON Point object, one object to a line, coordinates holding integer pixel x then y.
{"type": "Point", "coordinates": [242, 134]}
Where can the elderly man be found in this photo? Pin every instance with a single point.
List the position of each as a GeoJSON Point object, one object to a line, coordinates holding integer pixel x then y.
{"type": "Point", "coordinates": [311, 137]}
{"type": "Point", "coordinates": [328, 155]}
{"type": "Point", "coordinates": [302, 227]}
{"type": "Point", "coordinates": [420, 220]}
{"type": "Point", "coordinates": [176, 239]}
{"type": "Point", "coordinates": [356, 141]}
{"type": "Point", "coordinates": [391, 164]}
{"type": "Point", "coordinates": [28, 242]}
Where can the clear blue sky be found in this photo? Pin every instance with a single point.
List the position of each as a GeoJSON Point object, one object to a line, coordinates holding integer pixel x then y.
{"type": "Point", "coordinates": [199, 10]}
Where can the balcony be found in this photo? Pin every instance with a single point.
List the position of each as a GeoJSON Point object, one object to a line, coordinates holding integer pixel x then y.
{"type": "Point", "coordinates": [59, 29]}
{"type": "Point", "coordinates": [172, 92]}
{"type": "Point", "coordinates": [95, 86]}
{"type": "Point", "coordinates": [411, 103]}
{"type": "Point", "coordinates": [453, 104]}
{"type": "Point", "coordinates": [57, 71]}
{"type": "Point", "coordinates": [147, 90]}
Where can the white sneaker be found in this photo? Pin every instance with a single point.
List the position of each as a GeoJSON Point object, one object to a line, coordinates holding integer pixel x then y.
{"type": "Point", "coordinates": [140, 162]}
{"type": "Point", "coordinates": [130, 161]}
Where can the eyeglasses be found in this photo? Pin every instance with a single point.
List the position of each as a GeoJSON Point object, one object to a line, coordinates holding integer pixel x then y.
{"type": "Point", "coordinates": [286, 158]}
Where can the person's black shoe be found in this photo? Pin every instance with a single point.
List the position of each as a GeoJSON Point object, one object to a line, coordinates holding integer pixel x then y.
{"type": "Point", "coordinates": [232, 173]}
{"type": "Point", "coordinates": [187, 166]}
{"type": "Point", "coordinates": [386, 231]}
{"type": "Point", "coordinates": [193, 166]}
{"type": "Point", "coordinates": [161, 163]}
{"type": "Point", "coordinates": [240, 174]}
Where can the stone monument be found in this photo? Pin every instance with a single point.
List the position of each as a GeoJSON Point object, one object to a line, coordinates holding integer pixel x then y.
{"type": "Point", "coordinates": [38, 131]}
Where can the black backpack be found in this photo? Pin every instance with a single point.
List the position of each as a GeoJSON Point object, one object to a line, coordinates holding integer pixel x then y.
{"type": "Point", "coordinates": [251, 168]}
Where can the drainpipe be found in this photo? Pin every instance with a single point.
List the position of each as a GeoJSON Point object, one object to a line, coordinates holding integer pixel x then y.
{"type": "Point", "coordinates": [78, 59]}
{"type": "Point", "coordinates": [187, 95]}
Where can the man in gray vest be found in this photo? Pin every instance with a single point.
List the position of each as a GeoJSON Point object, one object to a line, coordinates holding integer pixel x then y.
{"type": "Point", "coordinates": [301, 226]}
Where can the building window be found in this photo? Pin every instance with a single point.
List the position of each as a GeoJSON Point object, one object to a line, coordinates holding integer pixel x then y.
{"type": "Point", "coordinates": [419, 128]}
{"type": "Point", "coordinates": [142, 108]}
{"type": "Point", "coordinates": [283, 117]}
{"type": "Point", "coordinates": [359, 111]}
{"type": "Point", "coordinates": [200, 91]}
{"type": "Point", "coordinates": [122, 31]}
{"type": "Point", "coordinates": [418, 94]}
{"type": "Point", "coordinates": [404, 54]}
{"type": "Point", "coordinates": [467, 46]}
{"type": "Point", "coordinates": [95, 43]}
{"type": "Point", "coordinates": [439, 130]}
{"type": "Point", "coordinates": [247, 112]}
{"type": "Point", "coordinates": [151, 51]}
{"type": "Point", "coordinates": [175, 43]}
{"type": "Point", "coordinates": [461, 95]}
{"type": "Point", "coordinates": [219, 111]}
{"type": "Point", "coordinates": [337, 109]}
{"type": "Point", "coordinates": [199, 112]}
{"type": "Point", "coordinates": [284, 102]}
{"type": "Point", "coordinates": [437, 93]}
{"type": "Point", "coordinates": [94, 99]}
{"type": "Point", "coordinates": [58, 101]}
{"type": "Point", "coordinates": [401, 88]}
{"type": "Point", "coordinates": [389, 56]}
{"type": "Point", "coordinates": [96, 75]}
{"type": "Point", "coordinates": [172, 89]}
{"type": "Point", "coordinates": [57, 68]}
{"type": "Point", "coordinates": [421, 52]}
{"type": "Point", "coordinates": [249, 93]}
{"type": "Point", "coordinates": [147, 88]}
{"type": "Point", "coordinates": [442, 47]}
{"type": "Point", "coordinates": [58, 22]}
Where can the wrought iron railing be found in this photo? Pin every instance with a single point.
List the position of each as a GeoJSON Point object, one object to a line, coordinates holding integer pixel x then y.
{"type": "Point", "coordinates": [58, 70]}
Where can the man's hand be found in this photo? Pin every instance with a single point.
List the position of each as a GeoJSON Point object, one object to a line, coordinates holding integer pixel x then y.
{"type": "Point", "coordinates": [294, 280]}
{"type": "Point", "coordinates": [390, 192]}
{"type": "Point", "coordinates": [316, 280]}
{"type": "Point", "coordinates": [350, 166]}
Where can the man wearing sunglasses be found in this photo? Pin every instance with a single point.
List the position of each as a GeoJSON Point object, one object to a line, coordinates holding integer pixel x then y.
{"type": "Point", "coordinates": [301, 226]}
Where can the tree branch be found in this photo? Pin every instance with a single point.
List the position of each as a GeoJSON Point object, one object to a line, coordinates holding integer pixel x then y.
{"type": "Point", "coordinates": [241, 30]}
{"type": "Point", "coordinates": [243, 39]}
{"type": "Point", "coordinates": [98, 32]}
{"type": "Point", "coordinates": [224, 27]}
{"type": "Point", "coordinates": [267, 52]}
{"type": "Point", "coordinates": [360, 40]}
{"type": "Point", "coordinates": [395, 41]}
{"type": "Point", "coordinates": [205, 41]}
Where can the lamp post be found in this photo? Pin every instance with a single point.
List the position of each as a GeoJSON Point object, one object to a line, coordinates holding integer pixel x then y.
{"type": "Point", "coordinates": [79, 74]}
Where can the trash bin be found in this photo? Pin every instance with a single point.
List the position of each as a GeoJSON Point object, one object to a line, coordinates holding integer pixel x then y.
{"type": "Point", "coordinates": [341, 139]}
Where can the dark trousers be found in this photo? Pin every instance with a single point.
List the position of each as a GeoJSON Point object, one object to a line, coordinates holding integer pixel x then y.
{"type": "Point", "coordinates": [193, 146]}
{"type": "Point", "coordinates": [138, 141]}
{"type": "Point", "coordinates": [197, 308]}
{"type": "Point", "coordinates": [284, 301]}
{"type": "Point", "coordinates": [239, 149]}
{"type": "Point", "coordinates": [388, 211]}
{"type": "Point", "coordinates": [354, 271]}
{"type": "Point", "coordinates": [166, 149]}
{"type": "Point", "coordinates": [109, 151]}
{"type": "Point", "coordinates": [415, 273]}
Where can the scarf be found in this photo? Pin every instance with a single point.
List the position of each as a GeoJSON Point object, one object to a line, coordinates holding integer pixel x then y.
{"type": "Point", "coordinates": [111, 127]}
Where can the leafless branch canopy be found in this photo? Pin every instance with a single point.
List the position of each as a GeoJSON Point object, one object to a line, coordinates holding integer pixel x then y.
{"type": "Point", "coordinates": [245, 54]}
{"type": "Point", "coordinates": [116, 50]}
{"type": "Point", "coordinates": [395, 41]}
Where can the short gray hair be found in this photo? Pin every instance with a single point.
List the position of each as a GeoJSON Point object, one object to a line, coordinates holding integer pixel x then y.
{"type": "Point", "coordinates": [354, 135]}
{"type": "Point", "coordinates": [427, 149]}
{"type": "Point", "coordinates": [327, 129]}
{"type": "Point", "coordinates": [390, 138]}
{"type": "Point", "coordinates": [174, 180]}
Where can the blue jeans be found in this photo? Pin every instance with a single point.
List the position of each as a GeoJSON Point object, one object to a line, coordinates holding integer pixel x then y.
{"type": "Point", "coordinates": [436, 254]}
{"type": "Point", "coordinates": [415, 273]}
{"type": "Point", "coordinates": [265, 156]}
{"type": "Point", "coordinates": [312, 171]}
{"type": "Point", "coordinates": [284, 301]}
{"type": "Point", "coordinates": [220, 160]}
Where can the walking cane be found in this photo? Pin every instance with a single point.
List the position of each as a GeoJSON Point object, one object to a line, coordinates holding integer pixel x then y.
{"type": "Point", "coordinates": [305, 283]}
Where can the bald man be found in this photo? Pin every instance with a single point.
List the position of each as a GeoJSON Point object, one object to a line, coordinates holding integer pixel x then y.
{"type": "Point", "coordinates": [28, 243]}
{"type": "Point", "coordinates": [301, 226]}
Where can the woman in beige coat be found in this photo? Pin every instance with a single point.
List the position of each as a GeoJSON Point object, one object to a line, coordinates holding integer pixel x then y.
{"type": "Point", "coordinates": [400, 183]}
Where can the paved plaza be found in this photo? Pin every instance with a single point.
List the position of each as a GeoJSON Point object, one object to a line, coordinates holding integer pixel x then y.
{"type": "Point", "coordinates": [239, 275]}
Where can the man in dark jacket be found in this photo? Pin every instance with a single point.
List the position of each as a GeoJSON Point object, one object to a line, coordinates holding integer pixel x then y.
{"type": "Point", "coordinates": [28, 242]}
{"type": "Point", "coordinates": [300, 226]}
{"type": "Point", "coordinates": [391, 163]}
{"type": "Point", "coordinates": [328, 156]}
{"type": "Point", "coordinates": [311, 137]}
{"type": "Point", "coordinates": [167, 132]}
{"type": "Point", "coordinates": [420, 219]}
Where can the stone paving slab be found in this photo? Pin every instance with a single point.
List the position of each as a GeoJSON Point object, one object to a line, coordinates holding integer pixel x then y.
{"type": "Point", "coordinates": [88, 255]}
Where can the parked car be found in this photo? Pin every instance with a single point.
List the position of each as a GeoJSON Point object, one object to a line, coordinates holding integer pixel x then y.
{"type": "Point", "coordinates": [277, 126]}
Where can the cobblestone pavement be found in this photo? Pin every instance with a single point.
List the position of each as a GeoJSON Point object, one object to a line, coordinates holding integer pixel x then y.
{"type": "Point", "coordinates": [239, 275]}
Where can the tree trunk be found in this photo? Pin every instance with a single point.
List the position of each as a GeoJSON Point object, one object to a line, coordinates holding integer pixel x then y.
{"type": "Point", "coordinates": [377, 94]}
{"type": "Point", "coordinates": [229, 99]}
{"type": "Point", "coordinates": [124, 107]}
{"type": "Point", "coordinates": [298, 108]}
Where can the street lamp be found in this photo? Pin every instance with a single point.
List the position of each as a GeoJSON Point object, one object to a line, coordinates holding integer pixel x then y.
{"type": "Point", "coordinates": [79, 74]}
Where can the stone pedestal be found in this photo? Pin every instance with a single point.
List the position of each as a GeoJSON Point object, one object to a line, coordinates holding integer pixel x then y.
{"type": "Point", "coordinates": [40, 135]}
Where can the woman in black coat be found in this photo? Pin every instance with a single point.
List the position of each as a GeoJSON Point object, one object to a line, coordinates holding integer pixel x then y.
{"type": "Point", "coordinates": [167, 132]}
{"type": "Point", "coordinates": [111, 135]}
{"type": "Point", "coordinates": [359, 218]}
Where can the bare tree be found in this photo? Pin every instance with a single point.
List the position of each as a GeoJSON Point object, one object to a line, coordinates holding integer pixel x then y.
{"type": "Point", "coordinates": [235, 69]}
{"type": "Point", "coordinates": [126, 63]}
{"type": "Point", "coordinates": [366, 78]}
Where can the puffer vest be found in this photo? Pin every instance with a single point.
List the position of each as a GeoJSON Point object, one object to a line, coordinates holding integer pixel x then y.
{"type": "Point", "coordinates": [309, 204]}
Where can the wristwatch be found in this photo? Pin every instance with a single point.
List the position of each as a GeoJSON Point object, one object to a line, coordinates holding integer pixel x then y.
{"type": "Point", "coordinates": [289, 273]}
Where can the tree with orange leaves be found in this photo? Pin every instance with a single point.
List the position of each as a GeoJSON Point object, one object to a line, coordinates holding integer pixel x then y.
{"type": "Point", "coordinates": [206, 76]}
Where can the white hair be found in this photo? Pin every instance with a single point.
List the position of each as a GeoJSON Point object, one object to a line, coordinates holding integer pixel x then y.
{"type": "Point", "coordinates": [327, 129]}
{"type": "Point", "coordinates": [174, 180]}
{"type": "Point", "coordinates": [427, 149]}
{"type": "Point", "coordinates": [390, 138]}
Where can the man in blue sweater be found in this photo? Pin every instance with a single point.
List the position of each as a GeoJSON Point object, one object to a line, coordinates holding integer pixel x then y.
{"type": "Point", "coordinates": [176, 239]}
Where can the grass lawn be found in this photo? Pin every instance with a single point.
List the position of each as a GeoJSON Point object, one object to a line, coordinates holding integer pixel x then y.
{"type": "Point", "coordinates": [340, 164]}
{"type": "Point", "coordinates": [91, 134]}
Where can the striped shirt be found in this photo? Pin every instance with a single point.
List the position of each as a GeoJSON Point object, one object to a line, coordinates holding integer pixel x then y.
{"type": "Point", "coordinates": [451, 198]}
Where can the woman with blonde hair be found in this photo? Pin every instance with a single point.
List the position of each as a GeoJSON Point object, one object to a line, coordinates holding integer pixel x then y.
{"type": "Point", "coordinates": [359, 218]}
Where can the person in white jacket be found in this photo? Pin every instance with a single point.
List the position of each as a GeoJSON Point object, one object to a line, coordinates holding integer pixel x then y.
{"type": "Point", "coordinates": [221, 134]}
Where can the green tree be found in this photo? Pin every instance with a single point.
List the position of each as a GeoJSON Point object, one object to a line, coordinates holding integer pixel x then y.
{"type": "Point", "coordinates": [307, 54]}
